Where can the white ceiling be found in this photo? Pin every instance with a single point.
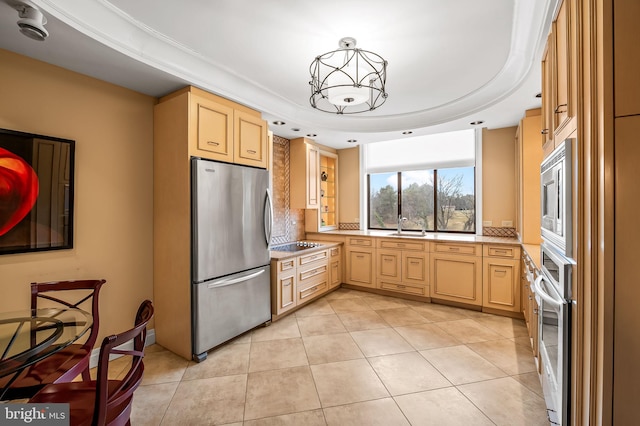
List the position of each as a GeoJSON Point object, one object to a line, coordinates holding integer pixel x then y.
{"type": "Point", "coordinates": [449, 62]}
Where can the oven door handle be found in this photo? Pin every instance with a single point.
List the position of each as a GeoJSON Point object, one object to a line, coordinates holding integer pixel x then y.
{"type": "Point", "coordinates": [537, 289]}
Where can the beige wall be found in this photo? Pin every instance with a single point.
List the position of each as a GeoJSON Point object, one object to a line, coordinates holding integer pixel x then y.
{"type": "Point", "coordinates": [113, 130]}
{"type": "Point", "coordinates": [498, 175]}
{"type": "Point", "coordinates": [349, 185]}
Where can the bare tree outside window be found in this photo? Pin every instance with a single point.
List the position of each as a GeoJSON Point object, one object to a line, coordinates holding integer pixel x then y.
{"type": "Point", "coordinates": [451, 208]}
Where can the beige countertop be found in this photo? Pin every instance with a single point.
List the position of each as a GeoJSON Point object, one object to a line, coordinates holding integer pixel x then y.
{"type": "Point", "coordinates": [280, 255]}
{"type": "Point", "coordinates": [430, 236]}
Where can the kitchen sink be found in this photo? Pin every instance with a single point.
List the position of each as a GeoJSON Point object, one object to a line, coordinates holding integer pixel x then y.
{"type": "Point", "coordinates": [416, 234]}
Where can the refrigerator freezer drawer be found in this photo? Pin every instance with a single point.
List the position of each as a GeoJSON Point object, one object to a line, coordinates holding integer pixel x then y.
{"type": "Point", "coordinates": [227, 307]}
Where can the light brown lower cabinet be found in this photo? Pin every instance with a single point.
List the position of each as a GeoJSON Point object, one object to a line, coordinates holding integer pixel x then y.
{"type": "Point", "coordinates": [501, 284]}
{"type": "Point", "coordinates": [335, 267]}
{"type": "Point", "coordinates": [501, 278]}
{"type": "Point", "coordinates": [299, 279]}
{"type": "Point", "coordinates": [360, 266]}
{"type": "Point", "coordinates": [402, 267]}
{"type": "Point", "coordinates": [457, 278]}
{"type": "Point", "coordinates": [283, 286]}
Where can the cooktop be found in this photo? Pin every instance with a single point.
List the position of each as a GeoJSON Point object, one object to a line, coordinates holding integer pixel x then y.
{"type": "Point", "coordinates": [297, 246]}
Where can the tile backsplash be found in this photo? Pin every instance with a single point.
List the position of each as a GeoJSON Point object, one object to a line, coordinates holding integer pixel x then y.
{"type": "Point", "coordinates": [284, 228]}
{"type": "Point", "coordinates": [496, 231]}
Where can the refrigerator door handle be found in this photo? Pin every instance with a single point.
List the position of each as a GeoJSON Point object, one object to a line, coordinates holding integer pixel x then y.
{"type": "Point", "coordinates": [268, 218]}
{"type": "Point", "coordinates": [225, 282]}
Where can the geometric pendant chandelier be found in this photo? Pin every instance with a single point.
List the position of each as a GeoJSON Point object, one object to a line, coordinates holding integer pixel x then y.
{"type": "Point", "coordinates": [348, 80]}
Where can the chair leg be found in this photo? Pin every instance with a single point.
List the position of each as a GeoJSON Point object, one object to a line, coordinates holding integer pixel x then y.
{"type": "Point", "coordinates": [86, 376]}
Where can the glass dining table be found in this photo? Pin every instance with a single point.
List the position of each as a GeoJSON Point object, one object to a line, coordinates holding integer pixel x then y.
{"type": "Point", "coordinates": [29, 336]}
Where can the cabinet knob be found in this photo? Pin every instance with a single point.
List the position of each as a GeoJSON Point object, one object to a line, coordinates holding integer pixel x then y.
{"type": "Point", "coordinates": [544, 131]}
{"type": "Point", "coordinates": [251, 151]}
{"type": "Point", "coordinates": [213, 143]}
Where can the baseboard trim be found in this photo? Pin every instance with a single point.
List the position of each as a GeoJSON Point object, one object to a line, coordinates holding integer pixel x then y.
{"type": "Point", "coordinates": [95, 353]}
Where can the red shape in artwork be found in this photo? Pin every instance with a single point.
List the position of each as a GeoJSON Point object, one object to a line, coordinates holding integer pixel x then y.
{"type": "Point", "coordinates": [18, 190]}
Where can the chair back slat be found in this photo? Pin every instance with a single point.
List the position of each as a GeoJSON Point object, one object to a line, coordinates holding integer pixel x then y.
{"type": "Point", "coordinates": [68, 288]}
{"type": "Point", "coordinates": [112, 397]}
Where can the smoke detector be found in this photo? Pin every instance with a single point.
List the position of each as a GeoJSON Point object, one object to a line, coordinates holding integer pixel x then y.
{"type": "Point", "coordinates": [31, 20]}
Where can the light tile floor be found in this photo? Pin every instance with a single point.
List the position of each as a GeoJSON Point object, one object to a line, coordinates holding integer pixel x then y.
{"type": "Point", "coordinates": [353, 358]}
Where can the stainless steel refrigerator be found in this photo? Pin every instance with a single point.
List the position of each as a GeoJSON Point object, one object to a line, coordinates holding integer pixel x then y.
{"type": "Point", "coordinates": [231, 229]}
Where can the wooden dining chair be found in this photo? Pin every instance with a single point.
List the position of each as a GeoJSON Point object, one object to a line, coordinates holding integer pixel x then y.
{"type": "Point", "coordinates": [72, 361]}
{"type": "Point", "coordinates": [103, 401]}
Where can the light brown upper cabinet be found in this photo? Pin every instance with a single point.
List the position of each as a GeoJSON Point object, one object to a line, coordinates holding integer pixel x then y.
{"type": "Point", "coordinates": [626, 66]}
{"type": "Point", "coordinates": [528, 159]}
{"type": "Point", "coordinates": [562, 105]}
{"type": "Point", "coordinates": [547, 99]}
{"type": "Point", "coordinates": [305, 174]}
{"type": "Point", "coordinates": [222, 130]}
{"type": "Point", "coordinates": [559, 78]}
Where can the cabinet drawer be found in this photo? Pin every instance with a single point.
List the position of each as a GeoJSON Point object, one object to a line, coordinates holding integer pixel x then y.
{"type": "Point", "coordinates": [286, 265]}
{"type": "Point", "coordinates": [402, 245]}
{"type": "Point", "coordinates": [335, 251]}
{"type": "Point", "coordinates": [467, 249]}
{"type": "Point", "coordinates": [312, 272]}
{"type": "Point", "coordinates": [309, 292]}
{"type": "Point", "coordinates": [360, 242]}
{"type": "Point", "coordinates": [312, 257]}
{"type": "Point", "coordinates": [510, 252]}
{"type": "Point", "coordinates": [402, 288]}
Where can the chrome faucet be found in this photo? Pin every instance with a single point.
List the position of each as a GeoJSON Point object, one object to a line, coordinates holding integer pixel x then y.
{"type": "Point", "coordinates": [400, 220]}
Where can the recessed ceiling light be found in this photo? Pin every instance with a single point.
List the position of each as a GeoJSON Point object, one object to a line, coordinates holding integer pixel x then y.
{"type": "Point", "coordinates": [279, 123]}
{"type": "Point", "coordinates": [311, 135]}
{"type": "Point", "coordinates": [476, 123]}
{"type": "Point", "coordinates": [295, 129]}
{"type": "Point", "coordinates": [539, 95]}
{"type": "Point", "coordinates": [407, 132]}
{"type": "Point", "coordinates": [352, 140]}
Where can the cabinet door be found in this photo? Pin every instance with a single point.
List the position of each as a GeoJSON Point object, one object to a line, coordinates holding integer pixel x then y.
{"type": "Point", "coordinates": [562, 39]}
{"type": "Point", "coordinates": [286, 293]}
{"type": "Point", "coordinates": [547, 98]}
{"type": "Point", "coordinates": [415, 268]}
{"type": "Point", "coordinates": [250, 140]}
{"type": "Point", "coordinates": [457, 278]}
{"type": "Point", "coordinates": [360, 267]}
{"type": "Point", "coordinates": [213, 126]}
{"type": "Point", "coordinates": [335, 271]}
{"type": "Point", "coordinates": [335, 274]}
{"type": "Point", "coordinates": [501, 288]}
{"type": "Point", "coordinates": [389, 265]}
{"type": "Point", "coordinates": [313, 177]}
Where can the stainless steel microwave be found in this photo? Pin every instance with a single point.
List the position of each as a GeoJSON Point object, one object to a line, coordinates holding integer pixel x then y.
{"type": "Point", "coordinates": [556, 198]}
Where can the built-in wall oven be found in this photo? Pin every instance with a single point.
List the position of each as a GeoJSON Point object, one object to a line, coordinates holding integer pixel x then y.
{"type": "Point", "coordinates": [552, 290]}
{"type": "Point", "coordinates": [556, 197]}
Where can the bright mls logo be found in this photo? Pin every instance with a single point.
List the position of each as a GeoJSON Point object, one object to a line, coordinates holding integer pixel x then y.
{"type": "Point", "coordinates": [35, 414]}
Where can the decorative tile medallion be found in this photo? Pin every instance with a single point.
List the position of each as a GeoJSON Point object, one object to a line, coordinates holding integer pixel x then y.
{"type": "Point", "coordinates": [496, 231]}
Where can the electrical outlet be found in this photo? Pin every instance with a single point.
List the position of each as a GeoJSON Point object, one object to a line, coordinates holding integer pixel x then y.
{"type": "Point", "coordinates": [508, 223]}
{"type": "Point", "coordinates": [487, 223]}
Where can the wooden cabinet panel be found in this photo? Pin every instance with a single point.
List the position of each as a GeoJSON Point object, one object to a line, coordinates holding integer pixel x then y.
{"type": "Point", "coordinates": [402, 245]}
{"type": "Point", "coordinates": [250, 140]}
{"type": "Point", "coordinates": [562, 40]}
{"type": "Point", "coordinates": [528, 161]}
{"type": "Point", "coordinates": [360, 242]}
{"type": "Point", "coordinates": [626, 66]}
{"type": "Point", "coordinates": [419, 290]}
{"type": "Point", "coordinates": [214, 129]}
{"type": "Point", "coordinates": [283, 286]}
{"type": "Point", "coordinates": [312, 257]}
{"type": "Point", "coordinates": [415, 268]}
{"type": "Point", "coordinates": [360, 266]}
{"type": "Point", "coordinates": [501, 284]}
{"type": "Point", "coordinates": [335, 268]}
{"type": "Point", "coordinates": [389, 264]}
{"type": "Point", "coordinates": [305, 174]}
{"type": "Point", "coordinates": [456, 278]}
{"type": "Point", "coordinates": [466, 249]}
{"type": "Point", "coordinates": [314, 289]}
{"type": "Point", "coordinates": [547, 98]}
